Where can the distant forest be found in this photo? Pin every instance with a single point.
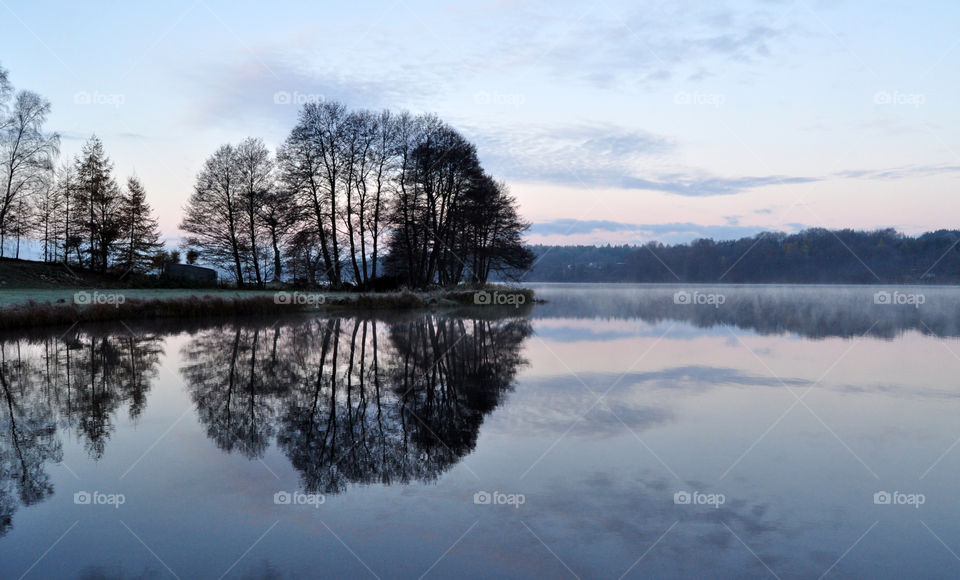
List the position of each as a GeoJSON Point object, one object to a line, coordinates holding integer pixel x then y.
{"type": "Point", "coordinates": [811, 256]}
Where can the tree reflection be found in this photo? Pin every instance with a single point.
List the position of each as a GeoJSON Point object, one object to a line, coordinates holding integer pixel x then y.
{"type": "Point", "coordinates": [355, 400]}
{"type": "Point", "coordinates": [80, 382]}
{"type": "Point", "coordinates": [348, 400]}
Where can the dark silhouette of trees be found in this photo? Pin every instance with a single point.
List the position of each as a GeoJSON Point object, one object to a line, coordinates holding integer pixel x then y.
{"type": "Point", "coordinates": [362, 180]}
{"type": "Point", "coordinates": [99, 196]}
{"type": "Point", "coordinates": [811, 256]}
{"type": "Point", "coordinates": [140, 231]}
{"type": "Point", "coordinates": [255, 174]}
{"type": "Point", "coordinates": [353, 198]}
{"type": "Point", "coordinates": [213, 218]}
{"type": "Point", "coordinates": [77, 211]}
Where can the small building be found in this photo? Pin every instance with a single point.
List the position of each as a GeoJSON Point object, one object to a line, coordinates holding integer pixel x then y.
{"type": "Point", "coordinates": [188, 273]}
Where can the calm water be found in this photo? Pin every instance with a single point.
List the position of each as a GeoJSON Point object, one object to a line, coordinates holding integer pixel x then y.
{"type": "Point", "coordinates": [718, 432]}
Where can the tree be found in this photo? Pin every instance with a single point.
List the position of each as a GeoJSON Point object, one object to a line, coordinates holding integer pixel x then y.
{"type": "Point", "coordinates": [254, 170]}
{"type": "Point", "coordinates": [26, 151]}
{"type": "Point", "coordinates": [359, 133]}
{"type": "Point", "coordinates": [162, 257]}
{"type": "Point", "coordinates": [214, 214]}
{"type": "Point", "coordinates": [5, 90]}
{"type": "Point", "coordinates": [99, 197]}
{"type": "Point", "coordinates": [47, 208]}
{"type": "Point", "coordinates": [140, 230]}
{"type": "Point", "coordinates": [383, 158]}
{"type": "Point", "coordinates": [72, 210]}
{"type": "Point", "coordinates": [346, 181]}
{"type": "Point", "coordinates": [312, 166]}
{"type": "Point", "coordinates": [492, 230]}
{"type": "Point", "coordinates": [440, 169]}
{"type": "Point", "coordinates": [280, 215]}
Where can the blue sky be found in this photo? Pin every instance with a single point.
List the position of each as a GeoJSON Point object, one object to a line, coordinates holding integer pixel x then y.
{"type": "Point", "coordinates": [611, 121]}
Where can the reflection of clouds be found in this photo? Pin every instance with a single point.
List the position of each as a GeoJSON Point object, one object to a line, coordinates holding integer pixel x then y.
{"type": "Point", "coordinates": [600, 523]}
{"type": "Point", "coordinates": [691, 378]}
{"type": "Point", "coordinates": [900, 391]}
{"type": "Point", "coordinates": [553, 404]}
{"type": "Point", "coordinates": [567, 334]}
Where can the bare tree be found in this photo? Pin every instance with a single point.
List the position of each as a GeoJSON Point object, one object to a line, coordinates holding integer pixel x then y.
{"type": "Point", "coordinates": [214, 214]}
{"type": "Point", "coordinates": [255, 175]}
{"type": "Point", "coordinates": [383, 161]}
{"type": "Point", "coordinates": [6, 89]}
{"type": "Point", "coordinates": [312, 165]}
{"type": "Point", "coordinates": [47, 206]}
{"type": "Point", "coordinates": [27, 153]}
{"type": "Point", "coordinates": [358, 136]}
{"type": "Point", "coordinates": [280, 215]}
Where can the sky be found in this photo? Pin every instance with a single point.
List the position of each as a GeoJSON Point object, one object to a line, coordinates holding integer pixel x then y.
{"type": "Point", "coordinates": [612, 122]}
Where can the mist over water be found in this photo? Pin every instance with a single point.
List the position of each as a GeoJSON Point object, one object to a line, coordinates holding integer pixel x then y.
{"type": "Point", "coordinates": [661, 431]}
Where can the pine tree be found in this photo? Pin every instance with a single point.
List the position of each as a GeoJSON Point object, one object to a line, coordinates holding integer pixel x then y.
{"type": "Point", "coordinates": [139, 230]}
{"type": "Point", "coordinates": [99, 199]}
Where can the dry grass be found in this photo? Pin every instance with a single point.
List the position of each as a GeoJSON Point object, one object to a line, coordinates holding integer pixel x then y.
{"type": "Point", "coordinates": [45, 314]}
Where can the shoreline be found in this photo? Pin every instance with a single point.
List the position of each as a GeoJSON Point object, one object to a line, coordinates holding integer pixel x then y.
{"type": "Point", "coordinates": [114, 305]}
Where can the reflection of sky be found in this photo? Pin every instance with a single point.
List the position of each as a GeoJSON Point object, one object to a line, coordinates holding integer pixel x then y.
{"type": "Point", "coordinates": [800, 497]}
{"type": "Point", "coordinates": [703, 410]}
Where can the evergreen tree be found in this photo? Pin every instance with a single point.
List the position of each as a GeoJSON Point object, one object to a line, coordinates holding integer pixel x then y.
{"type": "Point", "coordinates": [139, 229]}
{"type": "Point", "coordinates": [100, 199]}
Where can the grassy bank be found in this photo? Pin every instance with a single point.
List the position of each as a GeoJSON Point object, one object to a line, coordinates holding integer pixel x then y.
{"type": "Point", "coordinates": [130, 304]}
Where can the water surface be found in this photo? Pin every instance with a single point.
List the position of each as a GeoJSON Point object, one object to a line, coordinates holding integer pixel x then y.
{"type": "Point", "coordinates": [561, 442]}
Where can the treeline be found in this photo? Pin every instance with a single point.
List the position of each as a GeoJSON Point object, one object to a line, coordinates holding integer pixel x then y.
{"type": "Point", "coordinates": [811, 256]}
{"type": "Point", "coordinates": [76, 210]}
{"type": "Point", "coordinates": [351, 198]}
{"type": "Point", "coordinates": [355, 198]}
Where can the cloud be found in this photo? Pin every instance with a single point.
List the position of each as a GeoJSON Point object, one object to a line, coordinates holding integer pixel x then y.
{"type": "Point", "coordinates": [895, 173]}
{"type": "Point", "coordinates": [608, 46]}
{"type": "Point", "coordinates": [570, 410]}
{"type": "Point", "coordinates": [702, 186]}
{"type": "Point", "coordinates": [591, 232]}
{"type": "Point", "coordinates": [602, 155]}
{"type": "Point", "coordinates": [531, 150]}
{"type": "Point", "coordinates": [269, 90]}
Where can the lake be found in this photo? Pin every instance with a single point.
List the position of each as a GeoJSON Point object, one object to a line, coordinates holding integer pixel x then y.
{"type": "Point", "coordinates": [647, 431]}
